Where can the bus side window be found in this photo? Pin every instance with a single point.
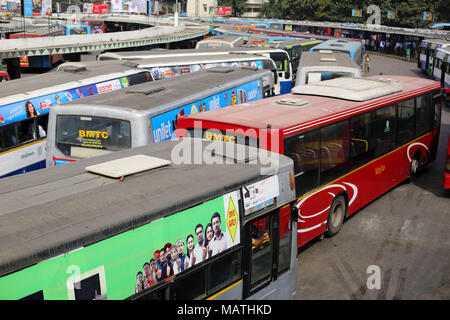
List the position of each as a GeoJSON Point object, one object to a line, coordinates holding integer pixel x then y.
{"type": "Point", "coordinates": [334, 151]}
{"type": "Point", "coordinates": [362, 142]}
{"type": "Point", "coordinates": [304, 150]}
{"type": "Point", "coordinates": [261, 253]}
{"type": "Point", "coordinates": [424, 114]}
{"type": "Point", "coordinates": [405, 121]}
{"type": "Point", "coordinates": [190, 287]}
{"type": "Point", "coordinates": [385, 130]}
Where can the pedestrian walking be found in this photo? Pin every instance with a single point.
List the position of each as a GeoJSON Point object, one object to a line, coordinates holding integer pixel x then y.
{"type": "Point", "coordinates": [367, 63]}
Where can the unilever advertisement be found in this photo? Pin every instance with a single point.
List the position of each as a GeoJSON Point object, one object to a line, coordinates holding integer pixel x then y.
{"type": "Point", "coordinates": [17, 111]}
{"type": "Point", "coordinates": [164, 125]}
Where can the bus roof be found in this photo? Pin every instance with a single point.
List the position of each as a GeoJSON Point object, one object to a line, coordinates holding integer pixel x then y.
{"type": "Point", "coordinates": [339, 45]}
{"type": "Point", "coordinates": [158, 96]}
{"type": "Point", "coordinates": [37, 85]}
{"type": "Point", "coordinates": [147, 54]}
{"type": "Point", "coordinates": [195, 59]}
{"type": "Point", "coordinates": [429, 42]}
{"type": "Point", "coordinates": [260, 114]}
{"type": "Point", "coordinates": [52, 211]}
{"type": "Point", "coordinates": [443, 54]}
{"type": "Point", "coordinates": [324, 58]}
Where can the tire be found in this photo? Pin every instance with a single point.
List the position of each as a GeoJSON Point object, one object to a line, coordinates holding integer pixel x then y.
{"type": "Point", "coordinates": [415, 167]}
{"type": "Point", "coordinates": [338, 211]}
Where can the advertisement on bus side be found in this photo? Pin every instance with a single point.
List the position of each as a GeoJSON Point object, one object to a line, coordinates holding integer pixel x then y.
{"type": "Point", "coordinates": [125, 264]}
{"type": "Point", "coordinates": [164, 125]}
{"type": "Point", "coordinates": [16, 111]}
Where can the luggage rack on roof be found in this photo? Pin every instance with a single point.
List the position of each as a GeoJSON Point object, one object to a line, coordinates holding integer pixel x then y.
{"type": "Point", "coordinates": [354, 89]}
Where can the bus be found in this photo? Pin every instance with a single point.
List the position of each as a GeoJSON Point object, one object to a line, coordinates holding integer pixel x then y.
{"type": "Point", "coordinates": [76, 29]}
{"type": "Point", "coordinates": [251, 38]}
{"type": "Point", "coordinates": [428, 51]}
{"type": "Point", "coordinates": [24, 115]}
{"type": "Point", "coordinates": [143, 230]}
{"type": "Point", "coordinates": [353, 48]}
{"type": "Point", "coordinates": [441, 71]}
{"type": "Point", "coordinates": [4, 76]}
{"type": "Point", "coordinates": [95, 26]}
{"type": "Point", "coordinates": [146, 113]}
{"type": "Point", "coordinates": [447, 167]}
{"type": "Point", "coordinates": [351, 139]}
{"type": "Point", "coordinates": [280, 65]}
{"type": "Point", "coordinates": [261, 24]}
{"type": "Point", "coordinates": [223, 41]}
{"type": "Point", "coordinates": [324, 65]}
{"type": "Point", "coordinates": [294, 49]}
{"type": "Point", "coordinates": [41, 62]}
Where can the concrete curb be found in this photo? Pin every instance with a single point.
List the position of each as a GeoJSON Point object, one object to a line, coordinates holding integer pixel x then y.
{"type": "Point", "coordinates": [391, 56]}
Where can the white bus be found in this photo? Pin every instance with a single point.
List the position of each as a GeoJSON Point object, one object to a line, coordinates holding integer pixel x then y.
{"type": "Point", "coordinates": [25, 103]}
{"type": "Point", "coordinates": [324, 65]}
{"type": "Point", "coordinates": [441, 71]}
{"type": "Point", "coordinates": [146, 113]}
{"type": "Point", "coordinates": [222, 41]}
{"type": "Point", "coordinates": [282, 75]}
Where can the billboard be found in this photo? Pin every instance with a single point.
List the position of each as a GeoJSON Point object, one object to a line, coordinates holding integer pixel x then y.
{"type": "Point", "coordinates": [130, 6]}
{"type": "Point", "coordinates": [356, 13]}
{"type": "Point", "coordinates": [224, 11]}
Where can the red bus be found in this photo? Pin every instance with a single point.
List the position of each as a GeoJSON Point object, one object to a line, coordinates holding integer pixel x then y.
{"type": "Point", "coordinates": [96, 26]}
{"type": "Point", "coordinates": [351, 139]}
{"type": "Point", "coordinates": [44, 62]}
{"type": "Point", "coordinates": [4, 76]}
{"type": "Point", "coordinates": [447, 167]}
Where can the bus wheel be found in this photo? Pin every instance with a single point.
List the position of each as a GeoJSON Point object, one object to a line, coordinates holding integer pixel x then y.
{"type": "Point", "coordinates": [338, 211]}
{"type": "Point", "coordinates": [415, 165]}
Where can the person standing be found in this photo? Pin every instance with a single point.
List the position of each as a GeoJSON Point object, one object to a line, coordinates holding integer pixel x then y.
{"type": "Point", "coordinates": [219, 242]}
{"type": "Point", "coordinates": [367, 63]}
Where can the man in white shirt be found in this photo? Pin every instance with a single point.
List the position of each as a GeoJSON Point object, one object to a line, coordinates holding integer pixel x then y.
{"type": "Point", "coordinates": [218, 242]}
{"type": "Point", "coordinates": [199, 247]}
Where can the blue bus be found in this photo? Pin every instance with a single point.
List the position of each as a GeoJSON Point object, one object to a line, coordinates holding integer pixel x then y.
{"type": "Point", "coordinates": [353, 48]}
{"type": "Point", "coordinates": [76, 29]}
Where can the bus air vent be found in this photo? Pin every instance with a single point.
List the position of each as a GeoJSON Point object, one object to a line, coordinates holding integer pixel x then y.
{"type": "Point", "coordinates": [234, 152]}
{"type": "Point", "coordinates": [146, 92]}
{"type": "Point", "coordinates": [220, 70]}
{"type": "Point", "coordinates": [72, 67]}
{"type": "Point", "coordinates": [328, 59]}
{"type": "Point", "coordinates": [292, 102]}
{"type": "Point", "coordinates": [326, 51]}
{"type": "Point", "coordinates": [126, 166]}
{"type": "Point", "coordinates": [131, 64]}
{"type": "Point", "coordinates": [336, 45]}
{"type": "Point", "coordinates": [353, 89]}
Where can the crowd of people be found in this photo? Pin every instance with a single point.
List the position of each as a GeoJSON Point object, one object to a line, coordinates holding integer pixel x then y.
{"type": "Point", "coordinates": [175, 258]}
{"type": "Point", "coordinates": [408, 49]}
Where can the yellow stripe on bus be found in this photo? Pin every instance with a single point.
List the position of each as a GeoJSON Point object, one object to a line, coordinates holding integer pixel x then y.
{"type": "Point", "coordinates": [24, 146]}
{"type": "Point", "coordinates": [223, 290]}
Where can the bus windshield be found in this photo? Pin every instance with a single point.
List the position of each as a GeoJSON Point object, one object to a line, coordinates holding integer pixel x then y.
{"type": "Point", "coordinates": [77, 30]}
{"type": "Point", "coordinates": [85, 137]}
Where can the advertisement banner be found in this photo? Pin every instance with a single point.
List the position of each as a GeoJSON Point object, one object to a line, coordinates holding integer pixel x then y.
{"type": "Point", "coordinates": [427, 16]}
{"type": "Point", "coordinates": [224, 11]}
{"type": "Point", "coordinates": [392, 15]}
{"type": "Point", "coordinates": [127, 263]}
{"type": "Point", "coordinates": [164, 125]}
{"type": "Point", "coordinates": [261, 193]}
{"type": "Point", "coordinates": [356, 13]}
{"type": "Point", "coordinates": [100, 8]}
{"type": "Point", "coordinates": [130, 6]}
{"type": "Point", "coordinates": [28, 8]}
{"type": "Point", "coordinates": [17, 111]}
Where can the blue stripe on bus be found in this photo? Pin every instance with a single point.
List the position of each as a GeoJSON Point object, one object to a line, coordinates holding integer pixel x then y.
{"type": "Point", "coordinates": [285, 87]}
{"type": "Point", "coordinates": [31, 167]}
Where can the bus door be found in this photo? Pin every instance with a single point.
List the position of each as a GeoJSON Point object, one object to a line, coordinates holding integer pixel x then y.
{"type": "Point", "coordinates": [437, 103]}
{"type": "Point", "coordinates": [267, 250]}
{"type": "Point", "coordinates": [284, 72]}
